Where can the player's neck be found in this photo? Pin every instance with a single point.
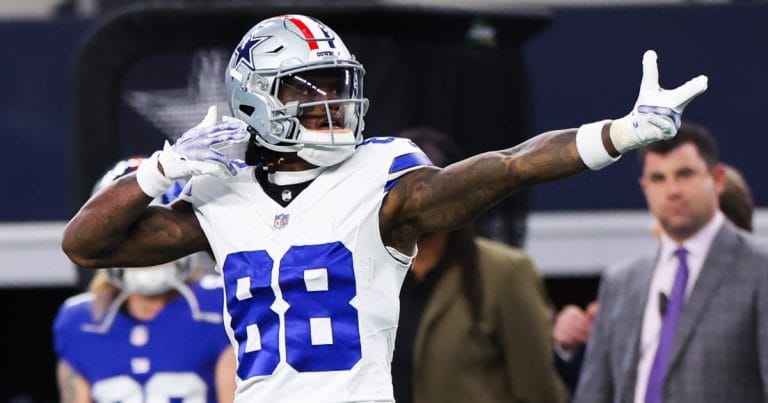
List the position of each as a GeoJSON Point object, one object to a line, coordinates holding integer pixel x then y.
{"type": "Point", "coordinates": [145, 307]}
{"type": "Point", "coordinates": [272, 161]}
{"type": "Point", "coordinates": [294, 165]}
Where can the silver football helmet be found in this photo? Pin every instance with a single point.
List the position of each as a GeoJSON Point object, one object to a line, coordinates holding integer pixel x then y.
{"type": "Point", "coordinates": [295, 83]}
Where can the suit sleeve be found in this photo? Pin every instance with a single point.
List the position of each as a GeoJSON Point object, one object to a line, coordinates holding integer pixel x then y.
{"type": "Point", "coordinates": [569, 369]}
{"type": "Point", "coordinates": [595, 380]}
{"type": "Point", "coordinates": [525, 331]}
{"type": "Point", "coordinates": [761, 318]}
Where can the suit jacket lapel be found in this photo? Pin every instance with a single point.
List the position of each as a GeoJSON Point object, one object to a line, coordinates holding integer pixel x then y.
{"type": "Point", "coordinates": [720, 260]}
{"type": "Point", "coordinates": [445, 292]}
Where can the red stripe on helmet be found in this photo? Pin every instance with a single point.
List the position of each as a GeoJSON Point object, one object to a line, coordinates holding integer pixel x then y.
{"type": "Point", "coordinates": [305, 31]}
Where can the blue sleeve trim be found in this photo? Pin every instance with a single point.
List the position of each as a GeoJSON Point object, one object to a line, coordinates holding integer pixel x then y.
{"type": "Point", "coordinates": [390, 184]}
{"type": "Point", "coordinates": [173, 192]}
{"type": "Point", "coordinates": [406, 161]}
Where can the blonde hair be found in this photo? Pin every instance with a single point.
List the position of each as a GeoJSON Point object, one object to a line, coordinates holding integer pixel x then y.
{"type": "Point", "coordinates": [104, 292]}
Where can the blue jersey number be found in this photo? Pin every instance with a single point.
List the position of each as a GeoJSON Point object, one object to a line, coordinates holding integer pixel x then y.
{"type": "Point", "coordinates": [321, 326]}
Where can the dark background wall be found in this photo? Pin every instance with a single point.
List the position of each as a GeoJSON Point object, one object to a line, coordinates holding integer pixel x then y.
{"type": "Point", "coordinates": [584, 66]}
{"type": "Point", "coordinates": [35, 126]}
{"type": "Point", "coordinates": [587, 66]}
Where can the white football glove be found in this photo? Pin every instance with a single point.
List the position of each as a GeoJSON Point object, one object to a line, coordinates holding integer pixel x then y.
{"type": "Point", "coordinates": [656, 114]}
{"type": "Point", "coordinates": [206, 149]}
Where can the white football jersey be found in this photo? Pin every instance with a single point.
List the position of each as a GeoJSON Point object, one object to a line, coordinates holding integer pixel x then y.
{"type": "Point", "coordinates": [311, 291]}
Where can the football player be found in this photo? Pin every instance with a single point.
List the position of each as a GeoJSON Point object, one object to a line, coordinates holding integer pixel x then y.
{"type": "Point", "coordinates": [315, 229]}
{"type": "Point", "coordinates": [143, 335]}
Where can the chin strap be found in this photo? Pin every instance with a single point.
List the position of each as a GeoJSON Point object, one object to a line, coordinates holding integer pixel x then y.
{"type": "Point", "coordinates": [271, 166]}
{"type": "Point", "coordinates": [279, 148]}
{"type": "Point", "coordinates": [269, 156]}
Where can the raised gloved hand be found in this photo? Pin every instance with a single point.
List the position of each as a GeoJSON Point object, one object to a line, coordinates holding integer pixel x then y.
{"type": "Point", "coordinates": [656, 114]}
{"type": "Point", "coordinates": [206, 149]}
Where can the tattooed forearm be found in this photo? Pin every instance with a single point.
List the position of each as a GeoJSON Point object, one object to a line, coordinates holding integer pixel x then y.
{"type": "Point", "coordinates": [116, 228]}
{"type": "Point", "coordinates": [454, 196]}
{"type": "Point", "coordinates": [488, 178]}
{"type": "Point", "coordinates": [430, 199]}
{"type": "Point", "coordinates": [546, 157]}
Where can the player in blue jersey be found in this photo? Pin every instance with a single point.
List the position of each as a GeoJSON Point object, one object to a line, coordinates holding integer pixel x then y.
{"type": "Point", "coordinates": [142, 335]}
{"type": "Point", "coordinates": [314, 228]}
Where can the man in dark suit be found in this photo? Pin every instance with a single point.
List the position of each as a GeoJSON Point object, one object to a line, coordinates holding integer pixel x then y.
{"type": "Point", "coordinates": [689, 324]}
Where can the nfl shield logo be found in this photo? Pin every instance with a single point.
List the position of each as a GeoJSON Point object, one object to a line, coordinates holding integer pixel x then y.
{"type": "Point", "coordinates": [281, 220]}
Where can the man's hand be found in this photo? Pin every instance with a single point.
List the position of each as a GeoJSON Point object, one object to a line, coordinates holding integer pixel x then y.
{"type": "Point", "coordinates": [573, 326]}
{"type": "Point", "coordinates": [657, 112]}
{"type": "Point", "coordinates": [206, 149]}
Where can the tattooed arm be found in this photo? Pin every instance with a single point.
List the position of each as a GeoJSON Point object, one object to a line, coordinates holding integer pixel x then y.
{"type": "Point", "coordinates": [115, 228]}
{"type": "Point", "coordinates": [435, 199]}
{"type": "Point", "coordinates": [73, 388]}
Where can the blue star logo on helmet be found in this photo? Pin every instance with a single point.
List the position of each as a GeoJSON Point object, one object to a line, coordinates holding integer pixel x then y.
{"type": "Point", "coordinates": [243, 51]}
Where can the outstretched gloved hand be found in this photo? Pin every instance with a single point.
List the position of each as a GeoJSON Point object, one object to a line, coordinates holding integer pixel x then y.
{"type": "Point", "coordinates": [657, 112]}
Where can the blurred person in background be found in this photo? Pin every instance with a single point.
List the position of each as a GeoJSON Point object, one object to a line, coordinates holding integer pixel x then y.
{"type": "Point", "coordinates": [145, 334]}
{"type": "Point", "coordinates": [573, 324]}
{"type": "Point", "coordinates": [689, 324]}
{"type": "Point", "coordinates": [570, 332]}
{"type": "Point", "coordinates": [736, 201]}
{"type": "Point", "coordinates": [474, 323]}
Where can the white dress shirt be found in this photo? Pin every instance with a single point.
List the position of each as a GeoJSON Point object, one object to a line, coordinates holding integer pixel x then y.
{"type": "Point", "coordinates": [661, 282]}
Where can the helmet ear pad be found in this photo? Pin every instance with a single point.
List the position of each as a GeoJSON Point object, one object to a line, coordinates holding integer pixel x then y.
{"type": "Point", "coordinates": [253, 107]}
